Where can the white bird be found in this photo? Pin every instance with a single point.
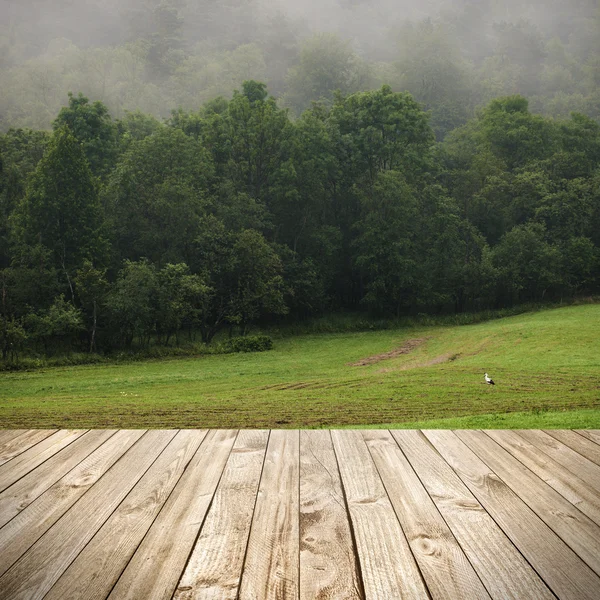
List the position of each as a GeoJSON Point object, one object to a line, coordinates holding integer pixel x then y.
{"type": "Point", "coordinates": [488, 380]}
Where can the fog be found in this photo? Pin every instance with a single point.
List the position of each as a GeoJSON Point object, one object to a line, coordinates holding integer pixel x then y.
{"type": "Point", "coordinates": [156, 55]}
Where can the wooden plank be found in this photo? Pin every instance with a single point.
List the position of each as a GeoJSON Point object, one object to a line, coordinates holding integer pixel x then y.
{"type": "Point", "coordinates": [22, 493]}
{"type": "Point", "coordinates": [590, 434]}
{"type": "Point", "coordinates": [562, 570]}
{"type": "Point", "coordinates": [577, 491]}
{"type": "Point", "coordinates": [158, 563]}
{"type": "Point", "coordinates": [477, 533]}
{"type": "Point", "coordinates": [577, 442]}
{"type": "Point", "coordinates": [328, 566]}
{"type": "Point", "coordinates": [16, 445]}
{"type": "Point", "coordinates": [27, 461]}
{"type": "Point", "coordinates": [19, 534]}
{"type": "Point", "coordinates": [445, 568]}
{"type": "Point", "coordinates": [8, 434]}
{"type": "Point", "coordinates": [558, 512]}
{"type": "Point", "coordinates": [215, 566]}
{"type": "Point", "coordinates": [32, 576]}
{"type": "Point", "coordinates": [272, 560]}
{"type": "Point", "coordinates": [575, 462]}
{"type": "Point", "coordinates": [387, 565]}
{"type": "Point", "coordinates": [96, 569]}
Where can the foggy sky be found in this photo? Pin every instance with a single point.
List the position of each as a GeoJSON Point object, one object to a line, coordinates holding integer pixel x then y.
{"type": "Point", "coordinates": [34, 23]}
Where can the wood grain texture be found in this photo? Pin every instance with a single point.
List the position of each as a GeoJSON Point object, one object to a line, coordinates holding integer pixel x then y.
{"type": "Point", "coordinates": [159, 561]}
{"type": "Point", "coordinates": [328, 565]}
{"type": "Point", "coordinates": [8, 434]}
{"type": "Point", "coordinates": [477, 533]}
{"type": "Point", "coordinates": [577, 442]}
{"type": "Point", "coordinates": [304, 515]}
{"type": "Point", "coordinates": [446, 570]}
{"type": "Point", "coordinates": [387, 565]}
{"type": "Point", "coordinates": [577, 464]}
{"type": "Point", "coordinates": [562, 570]}
{"type": "Point", "coordinates": [27, 461]}
{"type": "Point", "coordinates": [575, 491]}
{"type": "Point", "coordinates": [32, 576]}
{"type": "Point", "coordinates": [590, 434]}
{"type": "Point", "coordinates": [15, 445]}
{"type": "Point", "coordinates": [272, 560]}
{"type": "Point", "coordinates": [573, 527]}
{"type": "Point", "coordinates": [215, 566]}
{"type": "Point", "coordinates": [22, 493]}
{"type": "Point", "coordinates": [19, 534]}
{"type": "Point", "coordinates": [96, 569]}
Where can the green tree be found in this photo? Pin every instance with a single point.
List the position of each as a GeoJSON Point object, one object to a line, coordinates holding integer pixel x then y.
{"type": "Point", "coordinates": [303, 210]}
{"type": "Point", "coordinates": [131, 303]}
{"type": "Point", "coordinates": [136, 126]}
{"type": "Point", "coordinates": [243, 275]}
{"type": "Point", "coordinates": [385, 247]}
{"type": "Point", "coordinates": [157, 195]}
{"type": "Point", "coordinates": [528, 266]}
{"type": "Point", "coordinates": [61, 210]}
{"type": "Point", "coordinates": [384, 130]}
{"type": "Point", "coordinates": [259, 284]}
{"type": "Point", "coordinates": [580, 262]}
{"type": "Point", "coordinates": [514, 134]}
{"type": "Point", "coordinates": [181, 297]}
{"type": "Point", "coordinates": [91, 286]}
{"type": "Point", "coordinates": [20, 152]}
{"type": "Point", "coordinates": [252, 140]}
{"type": "Point", "coordinates": [12, 333]}
{"type": "Point", "coordinates": [59, 325]}
{"type": "Point", "coordinates": [94, 129]}
{"type": "Point", "coordinates": [214, 261]}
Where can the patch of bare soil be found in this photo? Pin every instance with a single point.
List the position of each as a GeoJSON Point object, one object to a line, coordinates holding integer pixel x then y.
{"type": "Point", "coordinates": [407, 347]}
{"type": "Point", "coordinates": [438, 360]}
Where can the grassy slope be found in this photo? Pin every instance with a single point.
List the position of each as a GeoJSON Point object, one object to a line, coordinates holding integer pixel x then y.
{"type": "Point", "coordinates": [543, 363]}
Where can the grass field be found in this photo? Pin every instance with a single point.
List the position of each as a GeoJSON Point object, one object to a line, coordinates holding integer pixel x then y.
{"type": "Point", "coordinates": [546, 366]}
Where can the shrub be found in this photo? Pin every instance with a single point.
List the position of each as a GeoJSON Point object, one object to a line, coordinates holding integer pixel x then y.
{"type": "Point", "coordinates": [250, 343]}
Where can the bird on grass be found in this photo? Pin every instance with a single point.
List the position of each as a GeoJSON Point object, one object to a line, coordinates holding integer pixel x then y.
{"type": "Point", "coordinates": [488, 380]}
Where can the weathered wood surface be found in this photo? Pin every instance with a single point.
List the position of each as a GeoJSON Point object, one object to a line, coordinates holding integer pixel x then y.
{"type": "Point", "coordinates": [215, 566]}
{"type": "Point", "coordinates": [564, 572]}
{"type": "Point", "coordinates": [302, 515]}
{"type": "Point", "coordinates": [475, 530]}
{"type": "Point", "coordinates": [581, 444]}
{"type": "Point", "coordinates": [328, 565]}
{"type": "Point", "coordinates": [272, 558]}
{"type": "Point", "coordinates": [446, 570]}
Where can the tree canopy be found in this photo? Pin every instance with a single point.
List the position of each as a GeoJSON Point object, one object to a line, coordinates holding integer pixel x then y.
{"type": "Point", "coordinates": [236, 215]}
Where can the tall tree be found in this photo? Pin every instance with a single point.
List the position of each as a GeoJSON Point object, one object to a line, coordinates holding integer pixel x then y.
{"type": "Point", "coordinates": [249, 141]}
{"type": "Point", "coordinates": [157, 195]}
{"type": "Point", "coordinates": [61, 210]}
{"type": "Point", "coordinates": [93, 127]}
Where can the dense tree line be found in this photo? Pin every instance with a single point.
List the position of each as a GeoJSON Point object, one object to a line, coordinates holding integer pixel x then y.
{"type": "Point", "coordinates": [118, 232]}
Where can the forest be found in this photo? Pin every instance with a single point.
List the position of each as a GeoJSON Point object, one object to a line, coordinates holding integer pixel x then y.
{"type": "Point", "coordinates": [405, 168]}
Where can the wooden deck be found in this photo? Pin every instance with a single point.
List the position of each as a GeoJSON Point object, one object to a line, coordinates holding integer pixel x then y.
{"type": "Point", "coordinates": [299, 514]}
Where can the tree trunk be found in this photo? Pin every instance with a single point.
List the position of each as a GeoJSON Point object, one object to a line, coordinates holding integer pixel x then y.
{"type": "Point", "coordinates": [68, 277]}
{"type": "Point", "coordinates": [93, 340]}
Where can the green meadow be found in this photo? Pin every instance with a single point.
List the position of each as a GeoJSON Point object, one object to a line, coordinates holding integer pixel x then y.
{"type": "Point", "coordinates": [546, 366]}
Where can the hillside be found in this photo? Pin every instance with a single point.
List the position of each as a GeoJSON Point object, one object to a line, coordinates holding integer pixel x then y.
{"type": "Point", "coordinates": [545, 364]}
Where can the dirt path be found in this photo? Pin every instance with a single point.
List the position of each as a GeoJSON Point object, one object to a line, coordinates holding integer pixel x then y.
{"type": "Point", "coordinates": [407, 347]}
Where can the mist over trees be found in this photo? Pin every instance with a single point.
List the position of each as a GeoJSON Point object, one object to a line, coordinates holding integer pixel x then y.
{"type": "Point", "coordinates": [190, 167]}
{"type": "Point", "coordinates": [156, 55]}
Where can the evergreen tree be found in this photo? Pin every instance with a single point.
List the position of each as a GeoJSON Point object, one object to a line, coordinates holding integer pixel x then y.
{"type": "Point", "coordinates": [61, 211]}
